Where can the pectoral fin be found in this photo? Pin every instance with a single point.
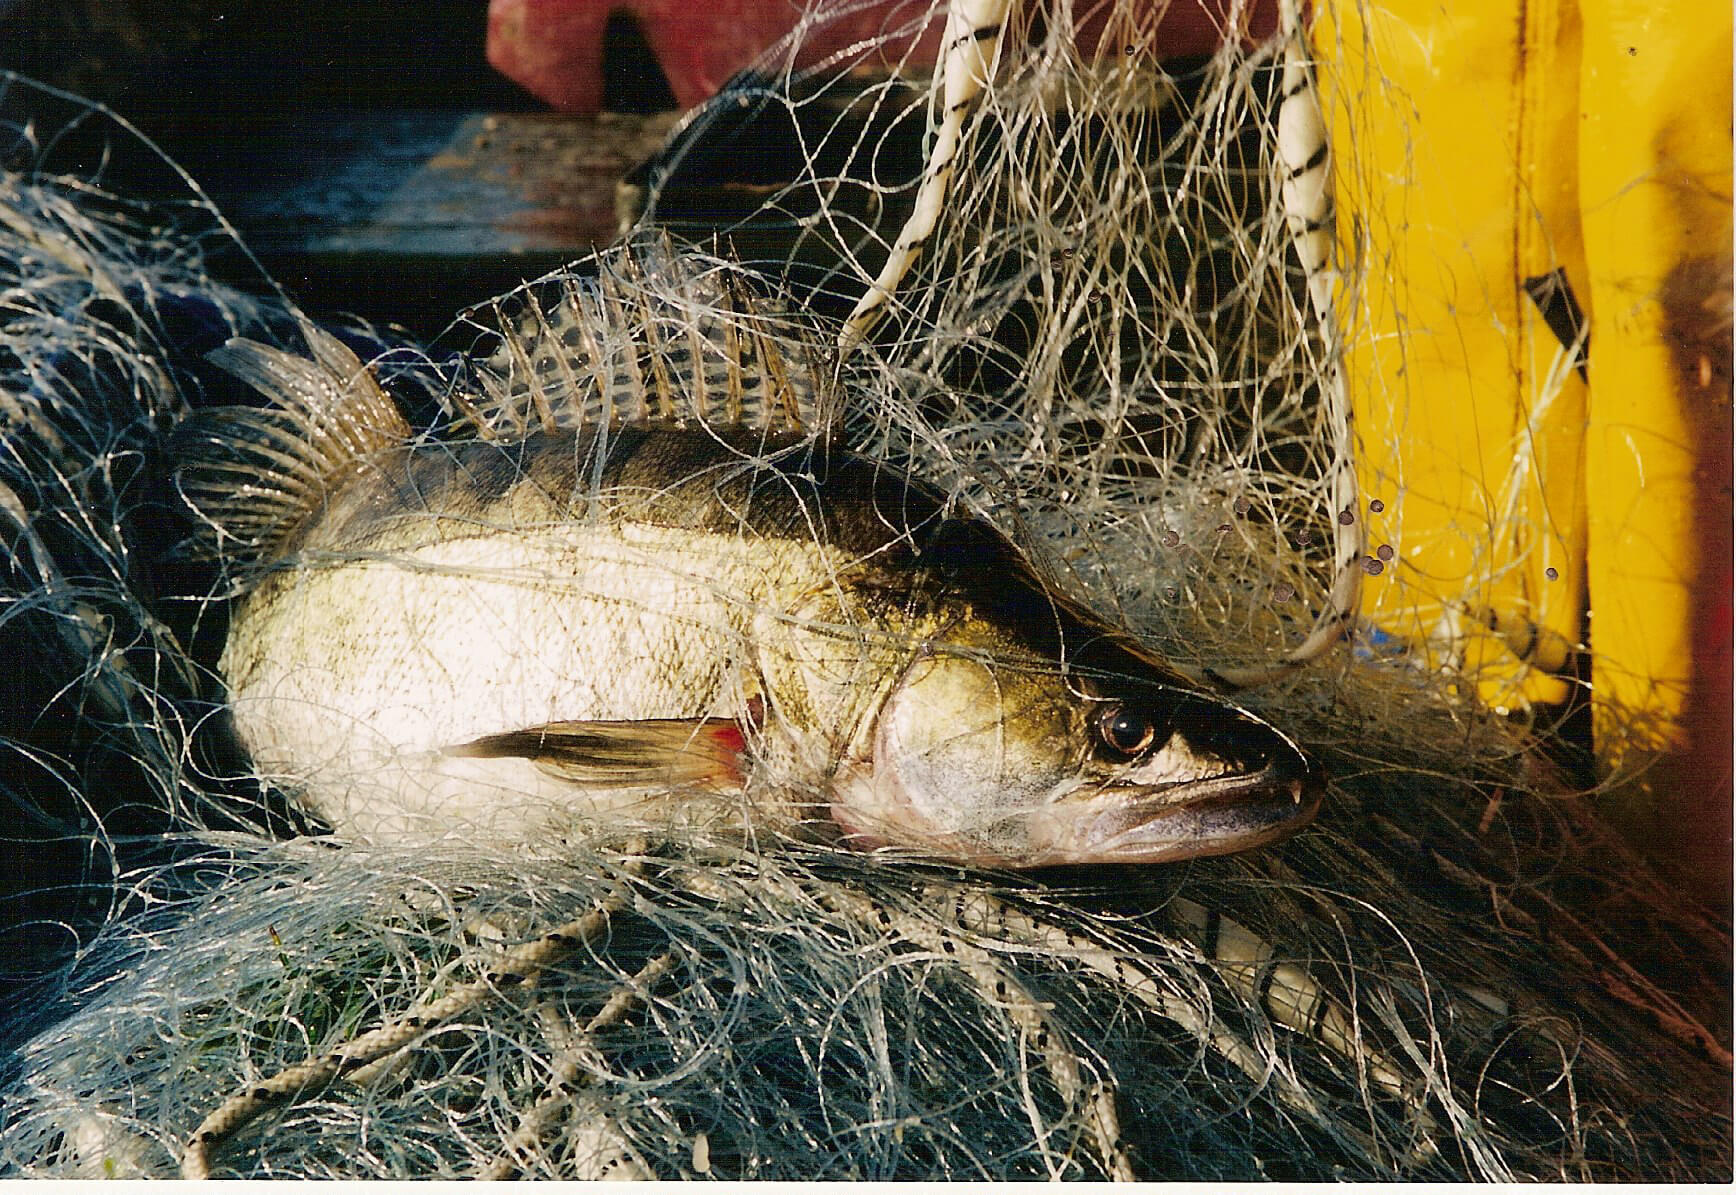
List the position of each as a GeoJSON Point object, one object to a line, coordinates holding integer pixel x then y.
{"type": "Point", "coordinates": [697, 751]}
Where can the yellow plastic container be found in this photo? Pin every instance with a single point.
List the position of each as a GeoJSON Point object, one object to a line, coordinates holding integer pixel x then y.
{"type": "Point", "coordinates": [1532, 509]}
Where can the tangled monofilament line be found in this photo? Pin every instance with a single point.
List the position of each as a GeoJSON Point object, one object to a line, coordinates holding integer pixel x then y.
{"type": "Point", "coordinates": [1453, 974]}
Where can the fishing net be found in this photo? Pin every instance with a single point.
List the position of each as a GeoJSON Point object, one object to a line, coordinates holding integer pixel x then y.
{"type": "Point", "coordinates": [109, 302]}
{"type": "Point", "coordinates": [1106, 344]}
{"type": "Point", "coordinates": [1110, 347]}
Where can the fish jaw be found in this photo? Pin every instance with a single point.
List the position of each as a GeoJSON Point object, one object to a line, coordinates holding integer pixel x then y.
{"type": "Point", "coordinates": [1166, 823]}
{"type": "Point", "coordinates": [1083, 823]}
{"type": "Point", "coordinates": [970, 765]}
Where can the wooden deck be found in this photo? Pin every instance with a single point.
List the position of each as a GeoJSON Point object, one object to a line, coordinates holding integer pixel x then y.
{"type": "Point", "coordinates": [410, 215]}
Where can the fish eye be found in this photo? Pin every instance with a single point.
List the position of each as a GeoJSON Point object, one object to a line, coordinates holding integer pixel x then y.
{"type": "Point", "coordinates": [1124, 731]}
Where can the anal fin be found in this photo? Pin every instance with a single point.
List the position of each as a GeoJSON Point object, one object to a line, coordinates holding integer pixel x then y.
{"type": "Point", "coordinates": [707, 752]}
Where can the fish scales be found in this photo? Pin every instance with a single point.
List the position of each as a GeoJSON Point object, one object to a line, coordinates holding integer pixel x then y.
{"type": "Point", "coordinates": [471, 589]}
{"type": "Point", "coordinates": [680, 618]}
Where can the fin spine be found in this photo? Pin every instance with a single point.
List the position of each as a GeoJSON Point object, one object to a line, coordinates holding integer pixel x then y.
{"type": "Point", "coordinates": [659, 336]}
{"type": "Point", "coordinates": [257, 476]}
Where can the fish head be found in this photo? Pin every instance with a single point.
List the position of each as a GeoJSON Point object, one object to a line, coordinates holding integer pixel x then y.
{"type": "Point", "coordinates": [987, 759]}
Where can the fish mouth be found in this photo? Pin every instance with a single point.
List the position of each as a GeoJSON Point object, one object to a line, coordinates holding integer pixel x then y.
{"type": "Point", "coordinates": [1219, 815]}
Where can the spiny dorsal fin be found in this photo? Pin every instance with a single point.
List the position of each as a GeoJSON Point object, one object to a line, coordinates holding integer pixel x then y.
{"type": "Point", "coordinates": [256, 476]}
{"type": "Point", "coordinates": [659, 336]}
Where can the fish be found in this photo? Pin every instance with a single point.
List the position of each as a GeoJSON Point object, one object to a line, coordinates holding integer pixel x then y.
{"type": "Point", "coordinates": [651, 588]}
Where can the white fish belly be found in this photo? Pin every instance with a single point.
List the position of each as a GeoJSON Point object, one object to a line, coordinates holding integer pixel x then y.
{"type": "Point", "coordinates": [349, 679]}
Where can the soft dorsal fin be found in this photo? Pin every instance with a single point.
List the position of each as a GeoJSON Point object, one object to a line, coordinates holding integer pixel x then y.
{"type": "Point", "coordinates": [659, 336]}
{"type": "Point", "coordinates": [256, 476]}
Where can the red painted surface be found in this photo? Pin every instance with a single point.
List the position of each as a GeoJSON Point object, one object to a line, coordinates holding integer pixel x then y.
{"type": "Point", "coordinates": [1697, 821]}
{"type": "Point", "coordinates": [554, 48]}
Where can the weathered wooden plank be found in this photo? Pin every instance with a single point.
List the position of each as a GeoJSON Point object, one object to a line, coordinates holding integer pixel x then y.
{"type": "Point", "coordinates": [411, 215]}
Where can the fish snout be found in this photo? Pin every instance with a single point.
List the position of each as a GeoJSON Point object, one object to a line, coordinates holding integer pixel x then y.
{"type": "Point", "coordinates": [1244, 743]}
{"type": "Point", "coordinates": [1225, 781]}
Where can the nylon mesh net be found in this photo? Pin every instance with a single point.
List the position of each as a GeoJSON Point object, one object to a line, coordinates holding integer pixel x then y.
{"type": "Point", "coordinates": [1109, 348]}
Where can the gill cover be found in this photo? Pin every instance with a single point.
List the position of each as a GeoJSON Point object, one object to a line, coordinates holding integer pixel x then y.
{"type": "Point", "coordinates": [966, 753]}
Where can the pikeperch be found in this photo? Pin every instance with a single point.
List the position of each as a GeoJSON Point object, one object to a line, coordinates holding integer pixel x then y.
{"type": "Point", "coordinates": [662, 616]}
